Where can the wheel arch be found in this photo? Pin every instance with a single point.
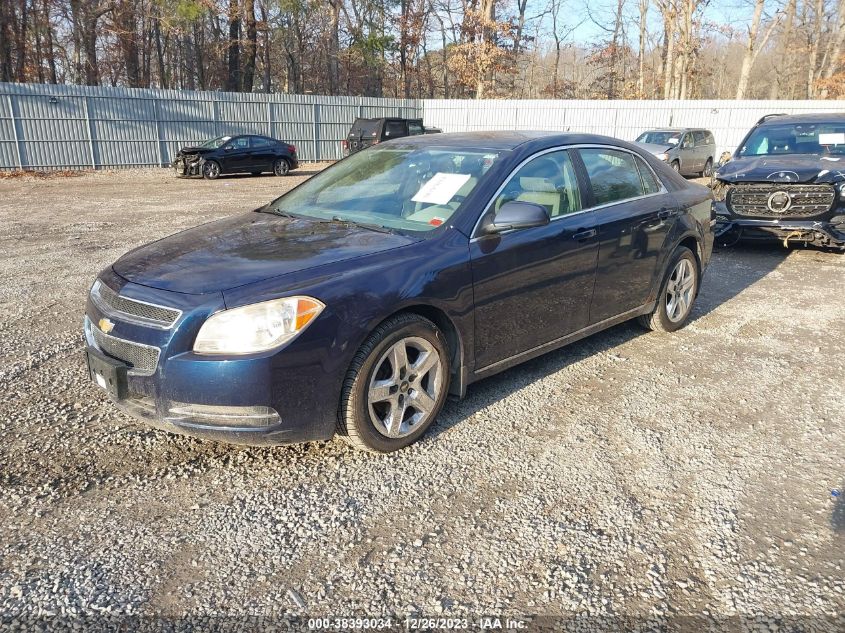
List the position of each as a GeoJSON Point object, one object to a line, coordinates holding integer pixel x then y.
{"type": "Point", "coordinates": [454, 339]}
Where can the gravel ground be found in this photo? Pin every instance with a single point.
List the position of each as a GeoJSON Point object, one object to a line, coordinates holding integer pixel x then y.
{"type": "Point", "coordinates": [629, 475]}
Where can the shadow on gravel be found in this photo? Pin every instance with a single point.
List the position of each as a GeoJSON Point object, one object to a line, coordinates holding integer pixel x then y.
{"type": "Point", "coordinates": [731, 271]}
{"type": "Point", "coordinates": [734, 269]}
{"type": "Point", "coordinates": [837, 519]}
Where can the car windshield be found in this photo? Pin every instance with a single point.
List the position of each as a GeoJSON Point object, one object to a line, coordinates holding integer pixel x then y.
{"type": "Point", "coordinates": [800, 138]}
{"type": "Point", "coordinates": [397, 188]}
{"type": "Point", "coordinates": [660, 138]}
{"type": "Point", "coordinates": [215, 142]}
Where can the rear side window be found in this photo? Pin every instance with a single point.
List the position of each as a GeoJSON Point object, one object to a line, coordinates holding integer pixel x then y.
{"type": "Point", "coordinates": [394, 129]}
{"type": "Point", "coordinates": [650, 183]}
{"type": "Point", "coordinates": [700, 137]}
{"type": "Point", "coordinates": [414, 128]}
{"type": "Point", "coordinates": [613, 174]}
{"type": "Point", "coordinates": [258, 141]}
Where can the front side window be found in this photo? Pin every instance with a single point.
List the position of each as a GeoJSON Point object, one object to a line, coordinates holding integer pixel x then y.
{"type": "Point", "coordinates": [214, 143]}
{"type": "Point", "coordinates": [801, 138]}
{"type": "Point", "coordinates": [613, 174]}
{"type": "Point", "coordinates": [548, 180]}
{"type": "Point", "coordinates": [397, 188]}
{"type": "Point", "coordinates": [687, 142]}
{"type": "Point", "coordinates": [415, 128]}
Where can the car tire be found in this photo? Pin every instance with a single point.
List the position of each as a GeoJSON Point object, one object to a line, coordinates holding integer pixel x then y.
{"type": "Point", "coordinates": [708, 169]}
{"type": "Point", "coordinates": [381, 383]}
{"type": "Point", "coordinates": [677, 293]}
{"type": "Point", "coordinates": [281, 167]}
{"type": "Point", "coordinates": [211, 170]}
{"type": "Point", "coordinates": [676, 166]}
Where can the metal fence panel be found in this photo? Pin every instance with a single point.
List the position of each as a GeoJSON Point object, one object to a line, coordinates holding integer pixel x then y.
{"type": "Point", "coordinates": [58, 127]}
{"type": "Point", "coordinates": [728, 120]}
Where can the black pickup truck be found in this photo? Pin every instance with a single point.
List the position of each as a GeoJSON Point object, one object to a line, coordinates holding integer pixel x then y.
{"type": "Point", "coordinates": [366, 132]}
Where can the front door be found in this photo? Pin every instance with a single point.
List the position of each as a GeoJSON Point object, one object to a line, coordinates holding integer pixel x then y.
{"type": "Point", "coordinates": [236, 156]}
{"type": "Point", "coordinates": [534, 285]}
{"type": "Point", "coordinates": [634, 214]}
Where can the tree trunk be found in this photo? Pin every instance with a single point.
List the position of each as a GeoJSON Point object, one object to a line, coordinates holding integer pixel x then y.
{"type": "Point", "coordinates": [233, 75]}
{"type": "Point", "coordinates": [643, 5]}
{"type": "Point", "coordinates": [266, 56]}
{"type": "Point", "coordinates": [782, 56]}
{"type": "Point", "coordinates": [334, 47]}
{"type": "Point", "coordinates": [816, 36]}
{"type": "Point", "coordinates": [834, 48]}
{"type": "Point", "coordinates": [250, 49]}
{"type": "Point", "coordinates": [124, 20]}
{"type": "Point", "coordinates": [753, 48]}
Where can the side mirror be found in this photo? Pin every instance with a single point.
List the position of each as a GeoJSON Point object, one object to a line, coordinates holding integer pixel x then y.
{"type": "Point", "coordinates": [517, 215]}
{"type": "Point", "coordinates": [228, 148]}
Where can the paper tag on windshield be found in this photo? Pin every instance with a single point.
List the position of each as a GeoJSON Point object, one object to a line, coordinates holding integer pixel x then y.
{"type": "Point", "coordinates": [832, 139]}
{"type": "Point", "coordinates": [441, 188]}
{"type": "Point", "coordinates": [674, 140]}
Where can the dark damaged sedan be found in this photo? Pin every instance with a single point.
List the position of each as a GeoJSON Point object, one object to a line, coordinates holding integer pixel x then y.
{"type": "Point", "coordinates": [786, 182]}
{"type": "Point", "coordinates": [246, 153]}
{"type": "Point", "coordinates": [354, 304]}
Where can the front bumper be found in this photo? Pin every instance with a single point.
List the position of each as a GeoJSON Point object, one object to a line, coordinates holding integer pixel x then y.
{"type": "Point", "coordinates": [187, 166]}
{"type": "Point", "coordinates": [730, 228]}
{"type": "Point", "coordinates": [282, 397]}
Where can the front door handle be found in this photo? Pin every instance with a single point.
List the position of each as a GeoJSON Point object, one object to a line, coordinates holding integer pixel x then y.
{"type": "Point", "coordinates": [664, 214]}
{"type": "Point", "coordinates": [584, 235]}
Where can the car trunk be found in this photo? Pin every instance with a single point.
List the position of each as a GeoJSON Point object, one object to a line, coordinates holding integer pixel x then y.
{"type": "Point", "coordinates": [364, 132]}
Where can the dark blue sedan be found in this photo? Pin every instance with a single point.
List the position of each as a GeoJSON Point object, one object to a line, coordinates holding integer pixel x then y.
{"type": "Point", "coordinates": [355, 303]}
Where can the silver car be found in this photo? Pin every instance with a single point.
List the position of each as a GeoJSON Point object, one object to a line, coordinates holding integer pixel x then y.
{"type": "Point", "coordinates": [689, 151]}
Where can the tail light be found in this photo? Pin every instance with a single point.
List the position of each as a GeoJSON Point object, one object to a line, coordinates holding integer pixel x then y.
{"type": "Point", "coordinates": [292, 149]}
{"type": "Point", "coordinates": [344, 144]}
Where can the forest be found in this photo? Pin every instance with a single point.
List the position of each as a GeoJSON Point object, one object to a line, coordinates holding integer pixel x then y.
{"type": "Point", "coordinates": [522, 49]}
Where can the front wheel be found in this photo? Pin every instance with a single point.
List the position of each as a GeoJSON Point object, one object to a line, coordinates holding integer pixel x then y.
{"type": "Point", "coordinates": [396, 385]}
{"type": "Point", "coordinates": [677, 293]}
{"type": "Point", "coordinates": [210, 170]}
{"type": "Point", "coordinates": [281, 167]}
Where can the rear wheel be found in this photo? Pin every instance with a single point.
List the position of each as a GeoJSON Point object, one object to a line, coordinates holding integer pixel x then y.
{"type": "Point", "coordinates": [210, 169]}
{"type": "Point", "coordinates": [677, 293]}
{"type": "Point", "coordinates": [676, 166]}
{"type": "Point", "coordinates": [281, 167]}
{"type": "Point", "coordinates": [396, 385]}
{"type": "Point", "coordinates": [708, 168]}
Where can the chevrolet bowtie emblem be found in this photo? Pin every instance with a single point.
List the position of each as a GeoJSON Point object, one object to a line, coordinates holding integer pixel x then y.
{"type": "Point", "coordinates": [106, 325]}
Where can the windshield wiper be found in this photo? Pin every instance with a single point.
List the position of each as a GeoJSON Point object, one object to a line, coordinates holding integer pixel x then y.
{"type": "Point", "coordinates": [268, 209]}
{"type": "Point", "coordinates": [379, 228]}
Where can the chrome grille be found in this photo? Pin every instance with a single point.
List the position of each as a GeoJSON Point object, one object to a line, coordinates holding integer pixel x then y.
{"type": "Point", "coordinates": [142, 358]}
{"type": "Point", "coordinates": [109, 301]}
{"type": "Point", "coordinates": [806, 200]}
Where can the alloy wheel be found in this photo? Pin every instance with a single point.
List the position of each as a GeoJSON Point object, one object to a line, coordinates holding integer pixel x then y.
{"type": "Point", "coordinates": [680, 291]}
{"type": "Point", "coordinates": [211, 169]}
{"type": "Point", "coordinates": [281, 168]}
{"type": "Point", "coordinates": [405, 387]}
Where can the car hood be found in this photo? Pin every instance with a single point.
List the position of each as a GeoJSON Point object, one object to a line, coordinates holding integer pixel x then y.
{"type": "Point", "coordinates": [656, 148]}
{"type": "Point", "coordinates": [784, 168]}
{"type": "Point", "coordinates": [247, 248]}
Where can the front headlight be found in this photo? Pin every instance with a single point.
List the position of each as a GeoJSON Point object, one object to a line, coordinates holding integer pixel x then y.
{"type": "Point", "coordinates": [663, 156]}
{"type": "Point", "coordinates": [257, 327]}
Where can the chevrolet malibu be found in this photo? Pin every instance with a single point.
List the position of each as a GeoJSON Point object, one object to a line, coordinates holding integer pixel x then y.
{"type": "Point", "coordinates": [356, 303]}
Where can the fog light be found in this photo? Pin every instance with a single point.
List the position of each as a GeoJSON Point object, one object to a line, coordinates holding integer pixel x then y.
{"type": "Point", "coordinates": [215, 415]}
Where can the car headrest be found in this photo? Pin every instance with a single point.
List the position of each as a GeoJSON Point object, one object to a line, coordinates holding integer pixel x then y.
{"type": "Point", "coordinates": [530, 183]}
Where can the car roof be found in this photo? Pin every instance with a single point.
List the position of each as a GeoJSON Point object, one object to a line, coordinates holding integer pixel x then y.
{"type": "Point", "coordinates": [505, 140]}
{"type": "Point", "coordinates": [677, 129]}
{"type": "Point", "coordinates": [810, 117]}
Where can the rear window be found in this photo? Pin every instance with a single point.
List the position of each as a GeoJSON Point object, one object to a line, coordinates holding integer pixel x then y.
{"type": "Point", "coordinates": [364, 128]}
{"type": "Point", "coordinates": [394, 129]}
{"type": "Point", "coordinates": [414, 128]}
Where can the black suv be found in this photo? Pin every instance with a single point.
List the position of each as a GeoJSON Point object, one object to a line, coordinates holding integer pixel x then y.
{"type": "Point", "coordinates": [366, 132]}
{"type": "Point", "coordinates": [786, 181]}
{"type": "Point", "coordinates": [246, 153]}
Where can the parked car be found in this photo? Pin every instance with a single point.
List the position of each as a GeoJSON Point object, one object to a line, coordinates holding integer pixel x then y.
{"type": "Point", "coordinates": [786, 181]}
{"type": "Point", "coordinates": [689, 151]}
{"type": "Point", "coordinates": [355, 303]}
{"type": "Point", "coordinates": [245, 153]}
{"type": "Point", "coordinates": [367, 132]}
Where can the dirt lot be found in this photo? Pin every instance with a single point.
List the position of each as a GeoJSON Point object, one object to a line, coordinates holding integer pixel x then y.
{"type": "Point", "coordinates": [631, 474]}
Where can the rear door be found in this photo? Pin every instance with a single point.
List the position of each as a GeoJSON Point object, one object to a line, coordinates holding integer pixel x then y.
{"type": "Point", "coordinates": [633, 216]}
{"type": "Point", "coordinates": [262, 151]}
{"type": "Point", "coordinates": [534, 285]}
{"type": "Point", "coordinates": [702, 151]}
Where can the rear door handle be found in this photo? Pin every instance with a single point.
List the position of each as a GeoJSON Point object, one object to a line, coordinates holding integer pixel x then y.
{"type": "Point", "coordinates": [584, 235]}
